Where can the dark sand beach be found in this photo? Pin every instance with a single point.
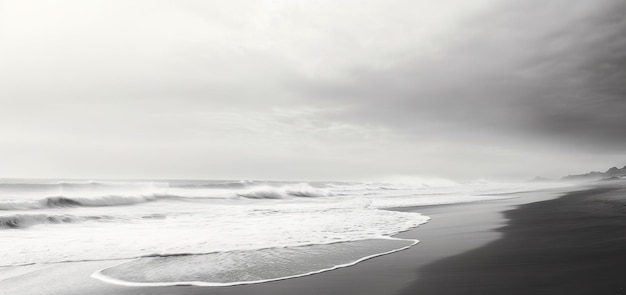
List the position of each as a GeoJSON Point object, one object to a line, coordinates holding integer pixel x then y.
{"type": "Point", "coordinates": [534, 243]}
{"type": "Point", "coordinates": [575, 244]}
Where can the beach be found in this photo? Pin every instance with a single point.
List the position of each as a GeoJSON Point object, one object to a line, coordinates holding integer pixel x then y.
{"type": "Point", "coordinates": [571, 245]}
{"type": "Point", "coordinates": [467, 248]}
{"type": "Point", "coordinates": [312, 147]}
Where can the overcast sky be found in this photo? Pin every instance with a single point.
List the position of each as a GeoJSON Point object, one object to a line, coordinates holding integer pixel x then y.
{"type": "Point", "coordinates": [311, 89]}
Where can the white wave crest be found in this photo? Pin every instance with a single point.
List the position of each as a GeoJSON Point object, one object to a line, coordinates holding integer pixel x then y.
{"type": "Point", "coordinates": [27, 220]}
{"type": "Point", "coordinates": [61, 201]}
{"type": "Point", "coordinates": [299, 190]}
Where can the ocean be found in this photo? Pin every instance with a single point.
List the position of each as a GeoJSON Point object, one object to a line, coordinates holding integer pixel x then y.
{"type": "Point", "coordinates": [216, 233]}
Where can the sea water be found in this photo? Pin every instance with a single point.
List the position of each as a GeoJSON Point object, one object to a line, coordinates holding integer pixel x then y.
{"type": "Point", "coordinates": [214, 232]}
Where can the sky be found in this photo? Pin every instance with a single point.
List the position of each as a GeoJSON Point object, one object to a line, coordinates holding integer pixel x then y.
{"type": "Point", "coordinates": [311, 90]}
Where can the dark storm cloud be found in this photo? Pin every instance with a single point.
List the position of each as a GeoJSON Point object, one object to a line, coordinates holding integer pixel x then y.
{"type": "Point", "coordinates": [530, 70]}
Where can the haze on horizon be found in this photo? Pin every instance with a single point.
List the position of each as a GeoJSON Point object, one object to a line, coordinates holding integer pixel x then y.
{"type": "Point", "coordinates": [311, 90]}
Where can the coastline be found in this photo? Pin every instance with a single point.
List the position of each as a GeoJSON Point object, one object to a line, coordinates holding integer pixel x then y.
{"type": "Point", "coordinates": [453, 229]}
{"type": "Point", "coordinates": [573, 244]}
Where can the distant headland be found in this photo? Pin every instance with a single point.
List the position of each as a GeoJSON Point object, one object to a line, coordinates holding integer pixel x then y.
{"type": "Point", "coordinates": [613, 173]}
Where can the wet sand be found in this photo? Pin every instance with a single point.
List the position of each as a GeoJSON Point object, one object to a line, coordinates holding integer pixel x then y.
{"type": "Point", "coordinates": [453, 230]}
{"type": "Point", "coordinates": [575, 244]}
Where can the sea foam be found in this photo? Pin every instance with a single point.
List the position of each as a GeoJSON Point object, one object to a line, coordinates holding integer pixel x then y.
{"type": "Point", "coordinates": [208, 229]}
{"type": "Point", "coordinates": [72, 221]}
{"type": "Point", "coordinates": [247, 267]}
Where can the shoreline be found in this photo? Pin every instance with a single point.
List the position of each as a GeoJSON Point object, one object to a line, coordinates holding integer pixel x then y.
{"type": "Point", "coordinates": [453, 229]}
{"type": "Point", "coordinates": [573, 244]}
{"type": "Point", "coordinates": [335, 254]}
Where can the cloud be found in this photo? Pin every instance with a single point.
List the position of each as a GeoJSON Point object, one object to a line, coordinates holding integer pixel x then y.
{"type": "Point", "coordinates": [310, 89]}
{"type": "Point", "coordinates": [542, 71]}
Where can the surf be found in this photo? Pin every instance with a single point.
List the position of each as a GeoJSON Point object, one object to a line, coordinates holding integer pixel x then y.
{"type": "Point", "coordinates": [247, 267]}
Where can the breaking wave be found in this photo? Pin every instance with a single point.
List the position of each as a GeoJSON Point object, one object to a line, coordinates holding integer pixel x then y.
{"type": "Point", "coordinates": [61, 201]}
{"type": "Point", "coordinates": [258, 192]}
{"type": "Point", "coordinates": [218, 184]}
{"type": "Point", "coordinates": [301, 190]}
{"type": "Point", "coordinates": [21, 221]}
